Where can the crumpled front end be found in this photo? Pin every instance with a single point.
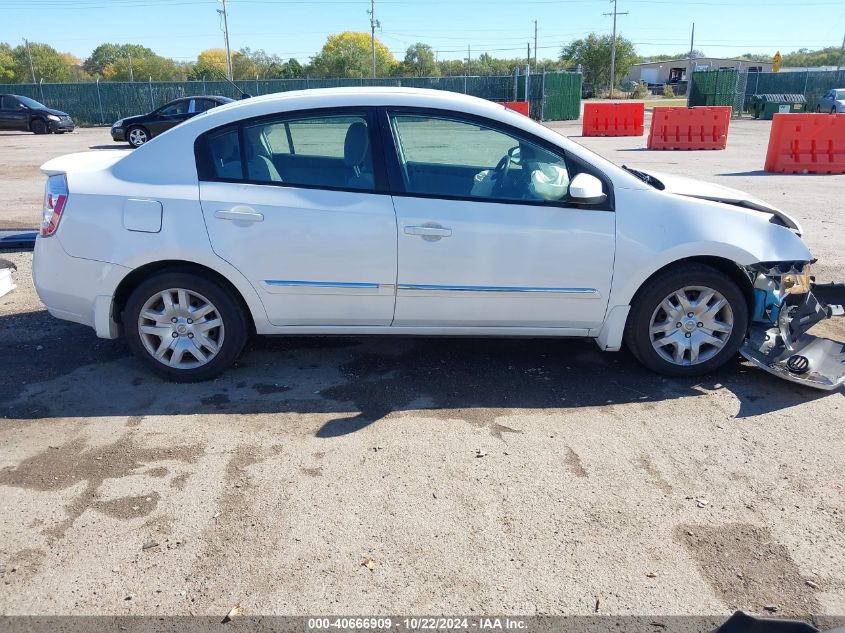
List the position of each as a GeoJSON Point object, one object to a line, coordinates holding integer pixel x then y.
{"type": "Point", "coordinates": [787, 303]}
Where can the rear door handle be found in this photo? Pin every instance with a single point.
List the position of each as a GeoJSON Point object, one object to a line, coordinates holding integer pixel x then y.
{"type": "Point", "coordinates": [239, 214]}
{"type": "Point", "coordinates": [428, 230]}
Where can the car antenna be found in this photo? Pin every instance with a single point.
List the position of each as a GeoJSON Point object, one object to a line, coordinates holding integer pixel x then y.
{"type": "Point", "coordinates": [244, 95]}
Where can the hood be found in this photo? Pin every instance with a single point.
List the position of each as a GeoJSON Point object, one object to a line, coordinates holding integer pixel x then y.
{"type": "Point", "coordinates": [53, 111]}
{"type": "Point", "coordinates": [83, 161]}
{"type": "Point", "coordinates": [132, 119]}
{"type": "Point", "coordinates": [718, 193]}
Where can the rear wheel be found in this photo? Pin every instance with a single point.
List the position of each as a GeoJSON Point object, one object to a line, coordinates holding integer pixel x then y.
{"type": "Point", "coordinates": [687, 321]}
{"type": "Point", "coordinates": [39, 127]}
{"type": "Point", "coordinates": [137, 136]}
{"type": "Point", "coordinates": [185, 327]}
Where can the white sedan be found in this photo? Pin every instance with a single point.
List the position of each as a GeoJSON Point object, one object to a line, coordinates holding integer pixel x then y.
{"type": "Point", "coordinates": [416, 212]}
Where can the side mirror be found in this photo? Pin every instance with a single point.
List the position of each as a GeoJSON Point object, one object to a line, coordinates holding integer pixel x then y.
{"type": "Point", "coordinates": [514, 155]}
{"type": "Point", "coordinates": [586, 189]}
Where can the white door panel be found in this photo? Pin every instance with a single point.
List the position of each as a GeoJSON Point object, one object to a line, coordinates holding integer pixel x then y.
{"type": "Point", "coordinates": [316, 257]}
{"type": "Point", "coordinates": [466, 263]}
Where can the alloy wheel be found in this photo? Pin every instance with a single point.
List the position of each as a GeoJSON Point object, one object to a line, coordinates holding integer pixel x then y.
{"type": "Point", "coordinates": [691, 325]}
{"type": "Point", "coordinates": [137, 137]}
{"type": "Point", "coordinates": [180, 328]}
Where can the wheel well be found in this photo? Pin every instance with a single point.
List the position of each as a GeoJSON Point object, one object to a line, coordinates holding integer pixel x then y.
{"type": "Point", "coordinates": [131, 281]}
{"type": "Point", "coordinates": [725, 266]}
{"type": "Point", "coordinates": [37, 118]}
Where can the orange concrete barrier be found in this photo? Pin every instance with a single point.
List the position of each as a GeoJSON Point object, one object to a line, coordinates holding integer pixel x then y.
{"type": "Point", "coordinates": [807, 143]}
{"type": "Point", "coordinates": [516, 106]}
{"type": "Point", "coordinates": [613, 119]}
{"type": "Point", "coordinates": [704, 127]}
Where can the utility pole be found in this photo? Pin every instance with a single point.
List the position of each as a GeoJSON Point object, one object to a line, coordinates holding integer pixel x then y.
{"type": "Point", "coordinates": [225, 14]}
{"type": "Point", "coordinates": [29, 54]}
{"type": "Point", "coordinates": [373, 24]}
{"type": "Point", "coordinates": [528, 58]}
{"type": "Point", "coordinates": [690, 64]}
{"type": "Point", "coordinates": [535, 44]}
{"type": "Point", "coordinates": [131, 76]}
{"type": "Point", "coordinates": [613, 48]}
{"type": "Point", "coordinates": [469, 59]}
{"type": "Point", "coordinates": [841, 55]}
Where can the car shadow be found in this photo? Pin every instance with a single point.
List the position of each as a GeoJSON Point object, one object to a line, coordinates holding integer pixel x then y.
{"type": "Point", "coordinates": [113, 146]}
{"type": "Point", "coordinates": [760, 172]}
{"type": "Point", "coordinates": [66, 372]}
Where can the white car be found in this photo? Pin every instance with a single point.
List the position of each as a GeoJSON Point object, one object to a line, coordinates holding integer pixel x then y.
{"type": "Point", "coordinates": [399, 211]}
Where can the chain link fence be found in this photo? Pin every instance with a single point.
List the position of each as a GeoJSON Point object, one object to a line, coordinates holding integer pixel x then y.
{"type": "Point", "coordinates": [553, 96]}
{"type": "Point", "coordinates": [736, 88]}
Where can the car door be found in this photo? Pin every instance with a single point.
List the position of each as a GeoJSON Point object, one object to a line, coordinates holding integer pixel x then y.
{"type": "Point", "coordinates": [13, 114]}
{"type": "Point", "coordinates": [297, 203]}
{"type": "Point", "coordinates": [169, 116]}
{"type": "Point", "coordinates": [487, 240]}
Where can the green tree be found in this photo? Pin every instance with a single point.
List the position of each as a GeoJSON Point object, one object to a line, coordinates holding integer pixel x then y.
{"type": "Point", "coordinates": [593, 53]}
{"type": "Point", "coordinates": [156, 67]}
{"type": "Point", "coordinates": [805, 58]}
{"type": "Point", "coordinates": [7, 63]}
{"type": "Point", "coordinates": [419, 61]}
{"type": "Point", "coordinates": [106, 54]}
{"type": "Point", "coordinates": [348, 54]}
{"type": "Point", "coordinates": [48, 63]}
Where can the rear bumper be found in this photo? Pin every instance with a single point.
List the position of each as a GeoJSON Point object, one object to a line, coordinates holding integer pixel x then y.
{"type": "Point", "coordinates": [788, 351]}
{"type": "Point", "coordinates": [76, 289]}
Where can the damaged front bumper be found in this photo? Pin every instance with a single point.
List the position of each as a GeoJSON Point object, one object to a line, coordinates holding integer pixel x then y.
{"type": "Point", "coordinates": [787, 303]}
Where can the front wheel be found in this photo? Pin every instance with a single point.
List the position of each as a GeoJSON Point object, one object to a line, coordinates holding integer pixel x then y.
{"type": "Point", "coordinates": [39, 127]}
{"type": "Point", "coordinates": [687, 321]}
{"type": "Point", "coordinates": [137, 136]}
{"type": "Point", "coordinates": [185, 327]}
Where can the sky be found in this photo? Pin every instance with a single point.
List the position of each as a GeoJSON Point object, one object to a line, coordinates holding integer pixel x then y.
{"type": "Point", "coordinates": [298, 28]}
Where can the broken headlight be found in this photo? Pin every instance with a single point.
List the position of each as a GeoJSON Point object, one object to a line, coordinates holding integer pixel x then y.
{"type": "Point", "coordinates": [796, 283]}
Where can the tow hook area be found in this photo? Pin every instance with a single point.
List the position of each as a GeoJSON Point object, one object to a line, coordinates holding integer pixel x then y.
{"type": "Point", "coordinates": [778, 341]}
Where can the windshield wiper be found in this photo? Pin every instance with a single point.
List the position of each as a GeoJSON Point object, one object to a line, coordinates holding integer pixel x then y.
{"type": "Point", "coordinates": [649, 180]}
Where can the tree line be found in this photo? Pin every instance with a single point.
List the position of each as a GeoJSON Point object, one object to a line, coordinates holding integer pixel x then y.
{"type": "Point", "coordinates": [346, 54]}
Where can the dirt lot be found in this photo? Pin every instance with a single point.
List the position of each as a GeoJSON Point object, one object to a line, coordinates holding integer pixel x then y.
{"type": "Point", "coordinates": [508, 477]}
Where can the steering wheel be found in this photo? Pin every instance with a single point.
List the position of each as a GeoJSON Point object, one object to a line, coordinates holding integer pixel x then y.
{"type": "Point", "coordinates": [501, 172]}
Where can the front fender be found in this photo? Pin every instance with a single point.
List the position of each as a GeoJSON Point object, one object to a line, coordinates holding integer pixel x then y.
{"type": "Point", "coordinates": [655, 229]}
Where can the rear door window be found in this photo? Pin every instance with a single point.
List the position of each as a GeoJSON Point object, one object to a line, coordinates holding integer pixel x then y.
{"type": "Point", "coordinates": [331, 151]}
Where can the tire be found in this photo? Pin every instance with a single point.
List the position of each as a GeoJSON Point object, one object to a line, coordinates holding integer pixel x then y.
{"type": "Point", "coordinates": [137, 136]}
{"type": "Point", "coordinates": [38, 126]}
{"type": "Point", "coordinates": [181, 356]}
{"type": "Point", "coordinates": [833, 110]}
{"type": "Point", "coordinates": [705, 330]}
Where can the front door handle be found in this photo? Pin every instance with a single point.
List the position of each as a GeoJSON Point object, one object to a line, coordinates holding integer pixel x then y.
{"type": "Point", "coordinates": [240, 214]}
{"type": "Point", "coordinates": [428, 231]}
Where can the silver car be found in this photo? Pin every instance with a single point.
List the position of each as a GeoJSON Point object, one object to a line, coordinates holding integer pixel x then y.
{"type": "Point", "coordinates": [833, 101]}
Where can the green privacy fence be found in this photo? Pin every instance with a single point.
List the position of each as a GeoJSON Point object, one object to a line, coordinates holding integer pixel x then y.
{"type": "Point", "coordinates": [811, 83]}
{"type": "Point", "coordinates": [102, 103]}
{"type": "Point", "coordinates": [714, 88]}
{"type": "Point", "coordinates": [735, 88]}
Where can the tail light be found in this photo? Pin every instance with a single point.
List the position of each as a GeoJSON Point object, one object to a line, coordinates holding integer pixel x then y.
{"type": "Point", "coordinates": [55, 199]}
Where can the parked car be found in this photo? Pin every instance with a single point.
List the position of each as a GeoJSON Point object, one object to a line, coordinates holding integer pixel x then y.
{"type": "Point", "coordinates": [137, 130]}
{"type": "Point", "coordinates": [399, 211]}
{"type": "Point", "coordinates": [22, 113]}
{"type": "Point", "coordinates": [833, 101]}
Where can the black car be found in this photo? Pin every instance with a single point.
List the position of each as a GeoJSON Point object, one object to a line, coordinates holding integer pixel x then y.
{"type": "Point", "coordinates": [137, 130]}
{"type": "Point", "coordinates": [22, 113]}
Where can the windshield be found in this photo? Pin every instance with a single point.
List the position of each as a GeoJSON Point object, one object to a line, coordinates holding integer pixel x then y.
{"type": "Point", "coordinates": [31, 103]}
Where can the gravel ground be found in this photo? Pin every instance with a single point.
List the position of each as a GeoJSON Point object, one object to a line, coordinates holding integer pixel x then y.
{"type": "Point", "coordinates": [341, 475]}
